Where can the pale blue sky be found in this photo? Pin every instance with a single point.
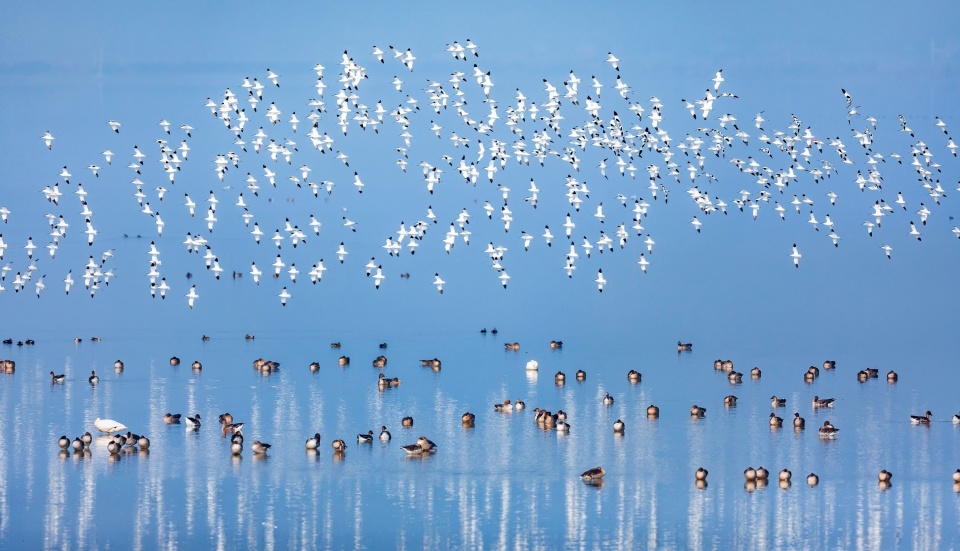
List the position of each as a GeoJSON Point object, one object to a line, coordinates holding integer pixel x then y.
{"type": "Point", "coordinates": [69, 70]}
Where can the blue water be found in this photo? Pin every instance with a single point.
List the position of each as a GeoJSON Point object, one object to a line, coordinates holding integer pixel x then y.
{"type": "Point", "coordinates": [732, 289]}
{"type": "Point", "coordinates": [504, 483]}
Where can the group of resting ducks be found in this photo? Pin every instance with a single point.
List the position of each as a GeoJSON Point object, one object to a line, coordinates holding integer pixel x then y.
{"type": "Point", "coordinates": [545, 419]}
{"type": "Point", "coordinates": [754, 477]}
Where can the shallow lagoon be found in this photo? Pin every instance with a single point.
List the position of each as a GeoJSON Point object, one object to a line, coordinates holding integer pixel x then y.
{"type": "Point", "coordinates": [504, 483]}
{"type": "Point", "coordinates": [731, 290]}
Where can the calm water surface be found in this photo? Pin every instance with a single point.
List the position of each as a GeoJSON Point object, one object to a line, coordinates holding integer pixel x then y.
{"type": "Point", "coordinates": [504, 483]}
{"type": "Point", "coordinates": [732, 290]}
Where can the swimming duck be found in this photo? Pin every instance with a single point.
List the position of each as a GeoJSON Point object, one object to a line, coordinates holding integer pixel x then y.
{"type": "Point", "coordinates": [581, 375]}
{"type": "Point", "coordinates": [618, 426]}
{"type": "Point", "coordinates": [338, 445]}
{"type": "Point", "coordinates": [762, 474]}
{"type": "Point", "coordinates": [365, 438]}
{"type": "Point", "coordinates": [407, 422]}
{"type": "Point", "coordinates": [892, 377]}
{"type": "Point", "coordinates": [108, 425]}
{"type": "Point", "coordinates": [633, 376]}
{"type": "Point", "coordinates": [314, 367]}
{"type": "Point", "coordinates": [755, 373]}
{"type": "Point", "coordinates": [956, 418]}
{"type": "Point", "coordinates": [519, 404]}
{"type": "Point", "coordinates": [77, 444]}
{"type": "Point", "coordinates": [562, 426]}
{"type": "Point", "coordinates": [750, 473]}
{"type": "Point", "coordinates": [87, 438]}
{"type": "Point", "coordinates": [343, 361]}
{"type": "Point", "coordinates": [259, 447]}
{"type": "Point", "coordinates": [63, 442]}
{"type": "Point", "coordinates": [412, 449]}
{"type": "Point", "coordinates": [433, 362]}
{"type": "Point", "coordinates": [193, 422]}
{"type": "Point", "coordinates": [823, 402]}
{"type": "Point", "coordinates": [266, 366]}
{"type": "Point", "coordinates": [735, 377]}
{"type": "Point", "coordinates": [174, 361]}
{"type": "Point", "coordinates": [468, 419]}
{"type": "Point", "coordinates": [777, 402]}
{"type": "Point", "coordinates": [559, 378]}
{"type": "Point", "coordinates": [143, 442]}
{"type": "Point", "coordinates": [118, 365]}
{"type": "Point", "coordinates": [697, 411]}
{"type": "Point", "coordinates": [701, 474]}
{"type": "Point", "coordinates": [775, 422]}
{"type": "Point", "coordinates": [549, 420]}
{"type": "Point", "coordinates": [385, 382]}
{"type": "Point", "coordinates": [808, 377]}
{"type": "Point", "coordinates": [813, 370]}
{"type": "Point", "coordinates": [196, 366]}
{"type": "Point", "coordinates": [384, 434]}
{"type": "Point", "coordinates": [380, 361]}
{"type": "Point", "coordinates": [653, 411]}
{"type": "Point", "coordinates": [921, 419]}
{"type": "Point", "coordinates": [230, 428]}
{"type": "Point", "coordinates": [505, 406]}
{"type": "Point", "coordinates": [828, 430]}
{"type": "Point", "coordinates": [426, 444]}
{"type": "Point", "coordinates": [512, 346]}
{"type": "Point", "coordinates": [798, 421]}
{"type": "Point", "coordinates": [730, 400]}
{"type": "Point", "coordinates": [829, 364]}
{"type": "Point", "coordinates": [93, 379]}
{"type": "Point", "coordinates": [885, 476]}
{"type": "Point", "coordinates": [684, 346]}
{"type": "Point", "coordinates": [313, 441]}
{"type": "Point", "coordinates": [57, 379]}
{"type": "Point", "coordinates": [607, 400]}
{"type": "Point", "coordinates": [595, 473]}
{"type": "Point", "coordinates": [556, 344]}
{"type": "Point", "coordinates": [813, 479]}
{"type": "Point", "coordinates": [785, 475]}
{"type": "Point", "coordinates": [236, 448]}
{"type": "Point", "coordinates": [956, 475]}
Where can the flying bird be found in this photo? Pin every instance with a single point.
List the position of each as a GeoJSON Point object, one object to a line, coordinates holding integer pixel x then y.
{"type": "Point", "coordinates": [795, 255]}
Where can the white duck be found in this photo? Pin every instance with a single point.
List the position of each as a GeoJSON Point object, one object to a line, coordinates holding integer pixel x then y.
{"type": "Point", "coordinates": [108, 425]}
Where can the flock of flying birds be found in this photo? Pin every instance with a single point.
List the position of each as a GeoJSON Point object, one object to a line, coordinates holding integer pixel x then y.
{"type": "Point", "coordinates": [634, 163]}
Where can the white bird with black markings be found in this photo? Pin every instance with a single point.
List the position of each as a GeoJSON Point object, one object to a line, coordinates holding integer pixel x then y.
{"type": "Point", "coordinates": [48, 139]}
{"type": "Point", "coordinates": [192, 296]}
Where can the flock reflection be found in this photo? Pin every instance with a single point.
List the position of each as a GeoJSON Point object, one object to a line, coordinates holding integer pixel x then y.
{"type": "Point", "coordinates": [504, 482]}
